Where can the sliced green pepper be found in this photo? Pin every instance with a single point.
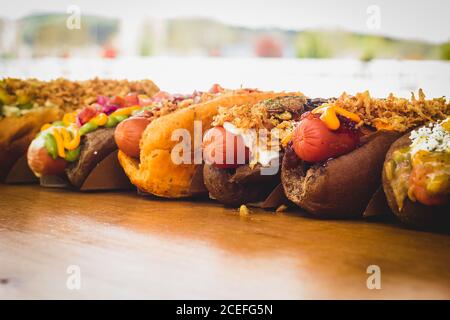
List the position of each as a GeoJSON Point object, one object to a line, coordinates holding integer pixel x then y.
{"type": "Point", "coordinates": [73, 155]}
{"type": "Point", "coordinates": [113, 120]}
{"type": "Point", "coordinates": [121, 117]}
{"type": "Point", "coordinates": [50, 145]}
{"type": "Point", "coordinates": [88, 127]}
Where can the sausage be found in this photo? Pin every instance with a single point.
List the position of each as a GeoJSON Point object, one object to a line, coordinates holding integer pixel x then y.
{"type": "Point", "coordinates": [41, 163]}
{"type": "Point", "coordinates": [128, 134]}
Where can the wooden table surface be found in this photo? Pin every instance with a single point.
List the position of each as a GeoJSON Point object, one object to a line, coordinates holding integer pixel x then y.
{"type": "Point", "coordinates": [132, 247]}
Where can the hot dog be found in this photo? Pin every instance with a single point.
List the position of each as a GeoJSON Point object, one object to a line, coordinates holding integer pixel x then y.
{"type": "Point", "coordinates": [26, 105]}
{"type": "Point", "coordinates": [234, 152]}
{"type": "Point", "coordinates": [333, 164]}
{"type": "Point", "coordinates": [72, 147]}
{"type": "Point", "coordinates": [416, 177]}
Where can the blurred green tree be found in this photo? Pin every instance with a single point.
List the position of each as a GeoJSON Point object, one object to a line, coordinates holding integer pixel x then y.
{"type": "Point", "coordinates": [311, 44]}
{"type": "Point", "coordinates": [445, 51]}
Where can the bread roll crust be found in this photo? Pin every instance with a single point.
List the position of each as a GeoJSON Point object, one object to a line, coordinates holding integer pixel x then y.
{"type": "Point", "coordinates": [222, 188]}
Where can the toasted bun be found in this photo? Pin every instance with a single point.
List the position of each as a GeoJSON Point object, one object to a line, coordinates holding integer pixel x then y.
{"type": "Point", "coordinates": [414, 214]}
{"type": "Point", "coordinates": [155, 172]}
{"type": "Point", "coordinates": [223, 187]}
{"type": "Point", "coordinates": [95, 146]}
{"type": "Point", "coordinates": [16, 134]}
{"type": "Point", "coordinates": [342, 187]}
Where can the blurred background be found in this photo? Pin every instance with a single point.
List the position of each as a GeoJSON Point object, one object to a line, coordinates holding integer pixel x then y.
{"type": "Point", "coordinates": [321, 47]}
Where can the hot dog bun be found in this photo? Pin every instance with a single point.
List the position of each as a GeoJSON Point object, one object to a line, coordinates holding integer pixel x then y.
{"type": "Point", "coordinates": [234, 184]}
{"type": "Point", "coordinates": [155, 172]}
{"type": "Point", "coordinates": [342, 187]}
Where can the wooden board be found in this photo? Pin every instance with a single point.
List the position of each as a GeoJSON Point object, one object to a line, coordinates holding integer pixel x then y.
{"type": "Point", "coordinates": [132, 247]}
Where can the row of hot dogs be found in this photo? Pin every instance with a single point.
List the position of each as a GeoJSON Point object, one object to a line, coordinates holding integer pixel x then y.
{"type": "Point", "coordinates": [329, 157]}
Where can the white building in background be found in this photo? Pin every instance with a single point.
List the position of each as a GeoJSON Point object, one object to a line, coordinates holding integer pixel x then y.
{"type": "Point", "coordinates": [158, 29]}
{"type": "Point", "coordinates": [8, 37]}
{"type": "Point", "coordinates": [128, 37]}
{"type": "Point", "coordinates": [141, 36]}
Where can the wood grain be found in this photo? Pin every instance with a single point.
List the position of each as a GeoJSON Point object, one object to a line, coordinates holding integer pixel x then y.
{"type": "Point", "coordinates": [132, 247]}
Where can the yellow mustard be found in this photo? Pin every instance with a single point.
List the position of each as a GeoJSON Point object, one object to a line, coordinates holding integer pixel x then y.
{"type": "Point", "coordinates": [66, 139]}
{"type": "Point", "coordinates": [46, 126]}
{"type": "Point", "coordinates": [329, 115]}
{"type": "Point", "coordinates": [69, 118]}
{"type": "Point", "coordinates": [125, 111]}
{"type": "Point", "coordinates": [59, 142]}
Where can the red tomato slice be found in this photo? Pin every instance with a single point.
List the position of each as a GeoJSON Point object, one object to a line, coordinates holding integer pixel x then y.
{"type": "Point", "coordinates": [86, 114]}
{"type": "Point", "coordinates": [118, 101]}
{"type": "Point", "coordinates": [313, 141]}
{"type": "Point", "coordinates": [224, 149]}
{"type": "Point", "coordinates": [131, 99]}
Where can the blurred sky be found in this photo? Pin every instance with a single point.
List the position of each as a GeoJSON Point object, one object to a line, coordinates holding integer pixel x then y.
{"type": "Point", "coordinates": [413, 19]}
